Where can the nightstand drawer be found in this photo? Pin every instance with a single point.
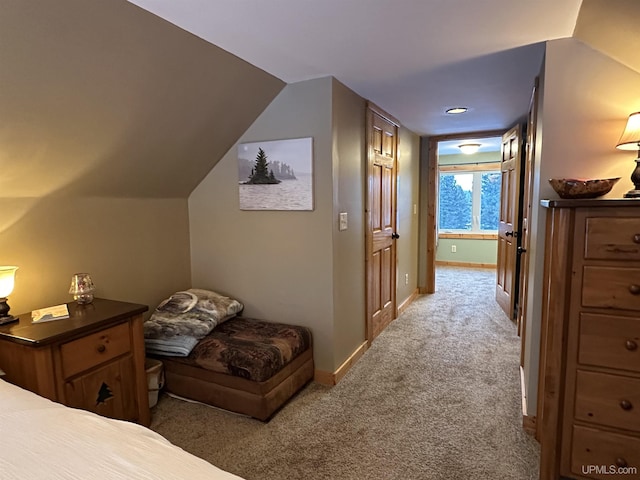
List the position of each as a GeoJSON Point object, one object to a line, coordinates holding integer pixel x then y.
{"type": "Point", "coordinates": [611, 287]}
{"type": "Point", "coordinates": [598, 454]}
{"type": "Point", "coordinates": [611, 400]}
{"type": "Point", "coordinates": [87, 352]}
{"type": "Point", "coordinates": [612, 239]}
{"type": "Point", "coordinates": [609, 341]}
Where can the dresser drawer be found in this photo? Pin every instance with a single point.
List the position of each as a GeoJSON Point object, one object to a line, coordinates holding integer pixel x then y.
{"type": "Point", "coordinates": [609, 341]}
{"type": "Point", "coordinates": [611, 400]}
{"type": "Point", "coordinates": [612, 239]}
{"type": "Point", "coordinates": [611, 287]}
{"type": "Point", "coordinates": [604, 455]}
{"type": "Point", "coordinates": [94, 349]}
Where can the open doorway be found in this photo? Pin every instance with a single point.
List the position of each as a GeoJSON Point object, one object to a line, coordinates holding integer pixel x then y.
{"type": "Point", "coordinates": [468, 202]}
{"type": "Point", "coordinates": [447, 163]}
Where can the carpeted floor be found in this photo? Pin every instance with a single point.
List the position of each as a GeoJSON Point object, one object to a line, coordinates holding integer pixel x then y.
{"type": "Point", "coordinates": [437, 396]}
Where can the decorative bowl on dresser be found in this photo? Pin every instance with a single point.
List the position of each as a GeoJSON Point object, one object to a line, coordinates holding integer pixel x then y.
{"type": "Point", "coordinates": [589, 382]}
{"type": "Point", "coordinates": [572, 188]}
{"type": "Point", "coordinates": [93, 360]}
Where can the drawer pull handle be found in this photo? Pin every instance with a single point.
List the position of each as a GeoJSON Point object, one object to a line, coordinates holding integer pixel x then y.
{"type": "Point", "coordinates": [630, 345]}
{"type": "Point", "coordinates": [101, 348]}
{"type": "Point", "coordinates": [621, 462]}
{"type": "Point", "coordinates": [636, 238]}
{"type": "Point", "coordinates": [626, 405]}
{"type": "Point", "coordinates": [634, 289]}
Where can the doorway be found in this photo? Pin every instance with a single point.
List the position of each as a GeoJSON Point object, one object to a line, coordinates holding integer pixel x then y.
{"type": "Point", "coordinates": [468, 202]}
{"type": "Point", "coordinates": [461, 175]}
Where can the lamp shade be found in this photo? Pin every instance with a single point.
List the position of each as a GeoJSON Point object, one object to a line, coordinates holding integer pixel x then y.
{"type": "Point", "coordinates": [7, 280]}
{"type": "Point", "coordinates": [630, 139]}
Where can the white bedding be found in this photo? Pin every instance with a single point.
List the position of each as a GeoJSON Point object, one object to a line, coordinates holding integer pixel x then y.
{"type": "Point", "coordinates": [40, 439]}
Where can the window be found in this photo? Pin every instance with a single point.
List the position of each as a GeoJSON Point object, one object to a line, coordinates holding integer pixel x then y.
{"type": "Point", "coordinates": [469, 201]}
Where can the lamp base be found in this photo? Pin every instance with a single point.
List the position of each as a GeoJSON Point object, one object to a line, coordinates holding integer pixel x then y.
{"type": "Point", "coordinates": [4, 319]}
{"type": "Point", "coordinates": [632, 194]}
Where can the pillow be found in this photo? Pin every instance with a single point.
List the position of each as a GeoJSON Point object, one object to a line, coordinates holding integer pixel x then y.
{"type": "Point", "coordinates": [194, 312]}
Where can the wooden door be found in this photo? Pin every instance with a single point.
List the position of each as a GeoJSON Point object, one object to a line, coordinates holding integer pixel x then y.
{"type": "Point", "coordinates": [382, 146]}
{"type": "Point", "coordinates": [506, 280]}
{"type": "Point", "coordinates": [522, 251]}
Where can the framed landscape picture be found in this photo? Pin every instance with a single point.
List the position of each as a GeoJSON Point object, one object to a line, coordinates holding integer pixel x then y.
{"type": "Point", "coordinates": [276, 174]}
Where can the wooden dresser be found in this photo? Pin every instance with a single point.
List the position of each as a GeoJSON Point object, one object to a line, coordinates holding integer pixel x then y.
{"type": "Point", "coordinates": [92, 360]}
{"type": "Point", "coordinates": [589, 390]}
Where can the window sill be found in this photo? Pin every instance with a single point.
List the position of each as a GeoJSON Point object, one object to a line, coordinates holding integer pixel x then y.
{"type": "Point", "coordinates": [470, 236]}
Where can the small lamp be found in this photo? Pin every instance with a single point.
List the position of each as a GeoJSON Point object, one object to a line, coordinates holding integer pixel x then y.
{"type": "Point", "coordinates": [630, 140]}
{"type": "Point", "coordinates": [469, 148]}
{"type": "Point", "coordinates": [7, 282]}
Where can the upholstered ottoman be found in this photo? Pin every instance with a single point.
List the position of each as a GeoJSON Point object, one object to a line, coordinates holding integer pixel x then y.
{"type": "Point", "coordinates": [244, 365]}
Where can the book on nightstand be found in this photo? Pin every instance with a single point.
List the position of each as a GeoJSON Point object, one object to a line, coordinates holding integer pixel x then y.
{"type": "Point", "coordinates": [57, 312]}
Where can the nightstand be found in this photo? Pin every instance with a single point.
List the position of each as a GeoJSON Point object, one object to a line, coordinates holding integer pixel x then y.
{"type": "Point", "coordinates": [93, 360]}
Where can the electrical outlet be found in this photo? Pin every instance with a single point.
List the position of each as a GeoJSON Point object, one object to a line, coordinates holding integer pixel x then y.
{"type": "Point", "coordinates": [453, 249]}
{"type": "Point", "coordinates": [406, 279]}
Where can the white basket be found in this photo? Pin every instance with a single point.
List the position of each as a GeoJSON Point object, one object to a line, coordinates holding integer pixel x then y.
{"type": "Point", "coordinates": [155, 379]}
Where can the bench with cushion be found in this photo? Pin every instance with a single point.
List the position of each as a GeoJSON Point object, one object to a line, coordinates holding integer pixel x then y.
{"type": "Point", "coordinates": [244, 365]}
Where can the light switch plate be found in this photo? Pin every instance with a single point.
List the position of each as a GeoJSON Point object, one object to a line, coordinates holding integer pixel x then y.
{"type": "Point", "coordinates": [344, 223]}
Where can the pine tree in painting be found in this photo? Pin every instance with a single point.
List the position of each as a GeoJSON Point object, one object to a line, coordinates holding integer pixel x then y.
{"type": "Point", "coordinates": [260, 174]}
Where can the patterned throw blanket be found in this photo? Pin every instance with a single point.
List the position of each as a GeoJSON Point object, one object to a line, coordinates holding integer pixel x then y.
{"type": "Point", "coordinates": [191, 313]}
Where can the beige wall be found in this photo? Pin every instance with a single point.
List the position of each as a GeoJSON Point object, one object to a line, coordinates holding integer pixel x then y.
{"type": "Point", "coordinates": [408, 228]}
{"type": "Point", "coordinates": [586, 99]}
{"type": "Point", "coordinates": [348, 123]}
{"type": "Point", "coordinates": [136, 250]}
{"type": "Point", "coordinates": [611, 26]}
{"type": "Point", "coordinates": [279, 264]}
{"type": "Point", "coordinates": [109, 117]}
{"type": "Point", "coordinates": [298, 267]}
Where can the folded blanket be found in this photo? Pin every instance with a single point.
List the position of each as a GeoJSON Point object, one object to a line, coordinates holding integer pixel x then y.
{"type": "Point", "coordinates": [192, 313]}
{"type": "Point", "coordinates": [176, 346]}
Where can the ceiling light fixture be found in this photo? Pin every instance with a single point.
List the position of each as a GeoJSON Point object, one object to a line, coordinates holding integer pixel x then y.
{"type": "Point", "coordinates": [456, 110]}
{"type": "Point", "coordinates": [469, 148]}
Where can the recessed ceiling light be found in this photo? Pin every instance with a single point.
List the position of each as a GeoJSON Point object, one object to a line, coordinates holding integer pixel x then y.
{"type": "Point", "coordinates": [456, 110]}
{"type": "Point", "coordinates": [469, 148]}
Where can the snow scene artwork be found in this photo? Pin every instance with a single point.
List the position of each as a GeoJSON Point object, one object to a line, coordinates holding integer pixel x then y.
{"type": "Point", "coordinates": [276, 174]}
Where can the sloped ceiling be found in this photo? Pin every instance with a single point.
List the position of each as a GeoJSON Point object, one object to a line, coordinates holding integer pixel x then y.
{"type": "Point", "coordinates": [414, 58]}
{"type": "Point", "coordinates": [612, 26]}
{"type": "Point", "coordinates": [100, 98]}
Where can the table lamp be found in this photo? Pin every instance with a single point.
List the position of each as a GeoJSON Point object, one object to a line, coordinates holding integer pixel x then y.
{"type": "Point", "coordinates": [7, 281]}
{"type": "Point", "coordinates": [630, 140]}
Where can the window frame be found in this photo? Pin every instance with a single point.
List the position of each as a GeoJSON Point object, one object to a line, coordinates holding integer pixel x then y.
{"type": "Point", "coordinates": [477, 169]}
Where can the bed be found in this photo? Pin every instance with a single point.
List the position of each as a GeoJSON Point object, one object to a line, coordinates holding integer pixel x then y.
{"type": "Point", "coordinates": [43, 439]}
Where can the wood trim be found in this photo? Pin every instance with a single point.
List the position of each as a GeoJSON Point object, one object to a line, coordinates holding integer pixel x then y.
{"type": "Point", "coordinates": [529, 424]}
{"type": "Point", "coordinates": [432, 195]}
{"type": "Point", "coordinates": [444, 263]}
{"type": "Point", "coordinates": [467, 135]}
{"type": "Point", "coordinates": [408, 301]}
{"type": "Point", "coordinates": [324, 378]}
{"type": "Point", "coordinates": [470, 236]}
{"type": "Point", "coordinates": [327, 378]}
{"type": "Point", "coordinates": [470, 167]}
{"type": "Point", "coordinates": [528, 421]}
{"type": "Point", "coordinates": [382, 113]}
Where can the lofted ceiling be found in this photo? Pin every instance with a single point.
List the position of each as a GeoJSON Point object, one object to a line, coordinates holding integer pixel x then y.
{"type": "Point", "coordinates": [413, 58]}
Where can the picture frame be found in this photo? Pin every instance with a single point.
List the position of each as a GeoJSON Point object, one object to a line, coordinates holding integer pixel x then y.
{"type": "Point", "coordinates": [276, 174]}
